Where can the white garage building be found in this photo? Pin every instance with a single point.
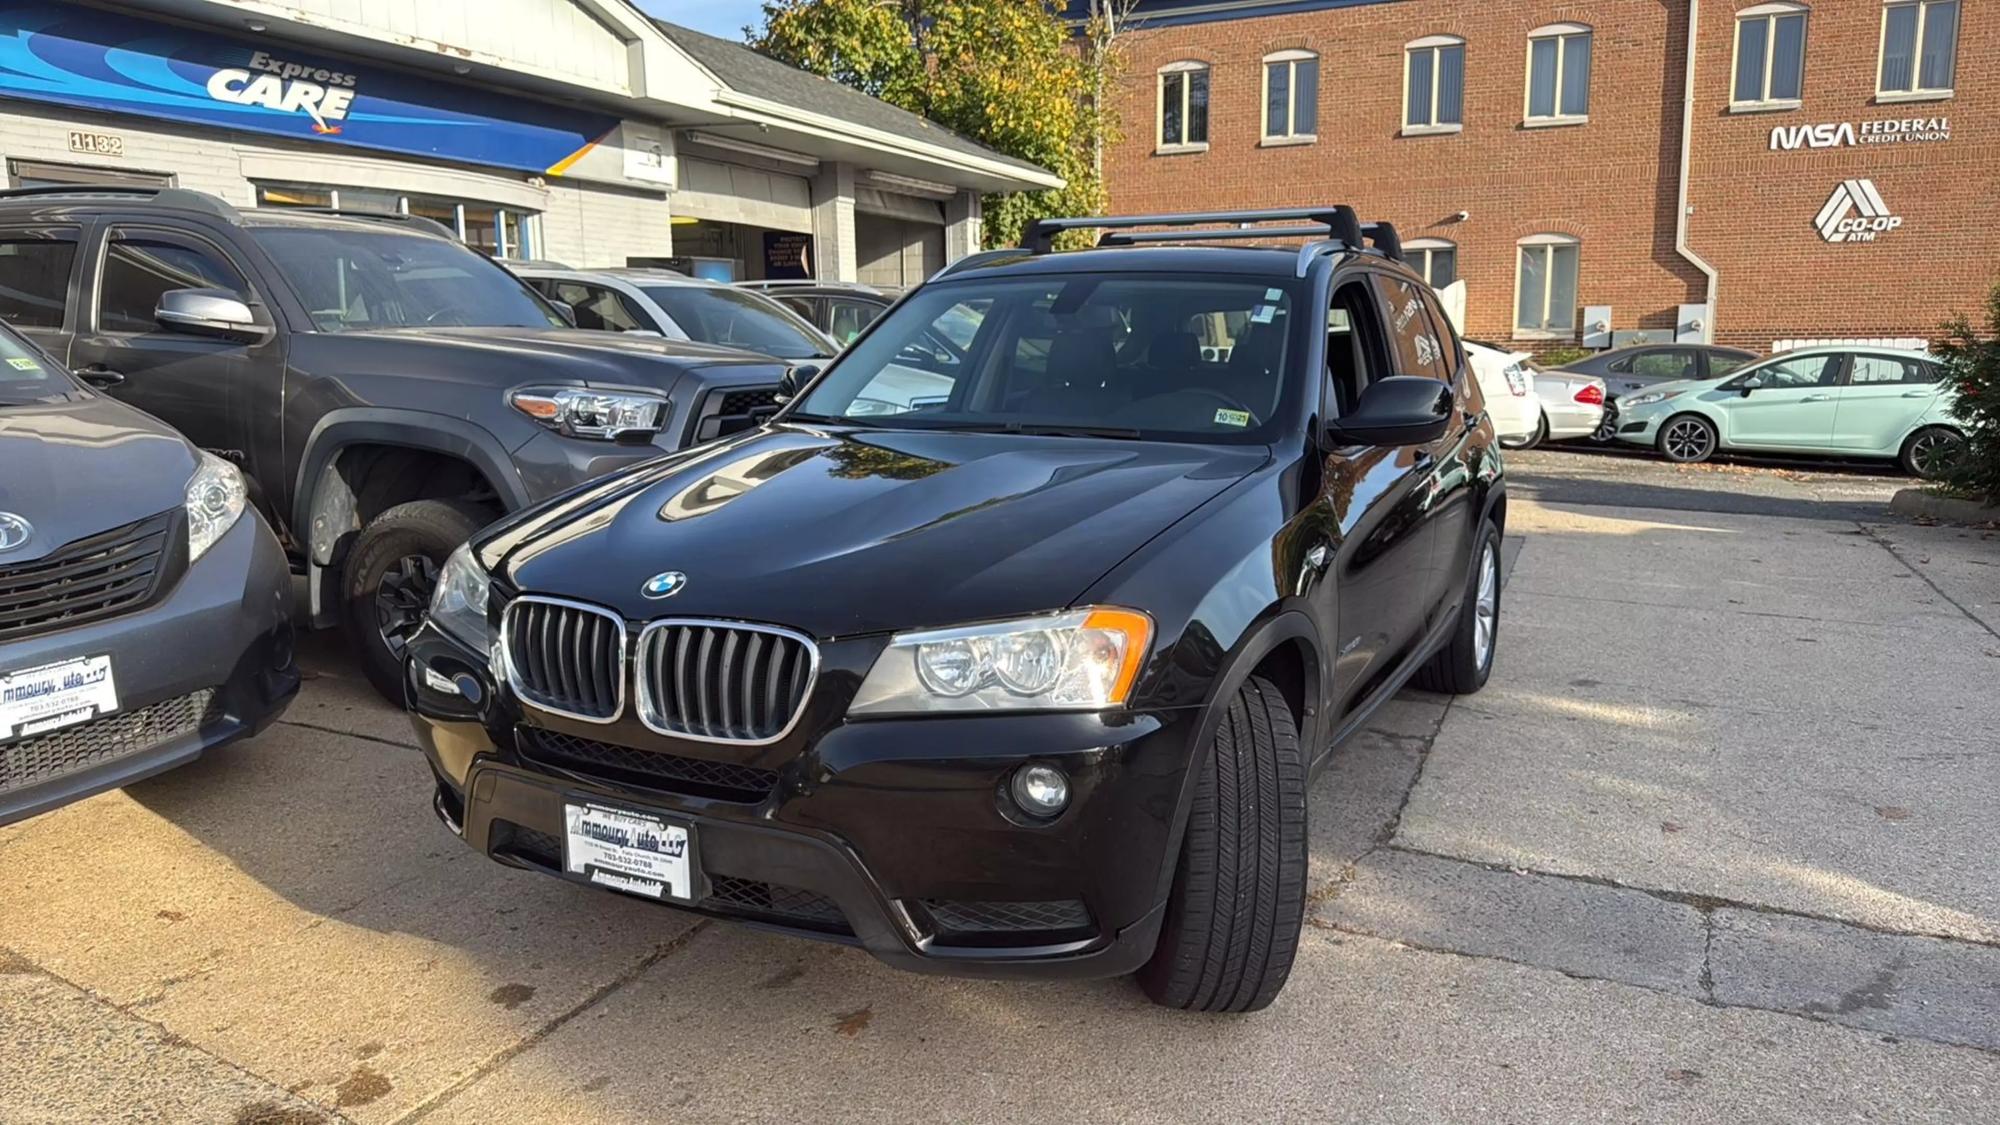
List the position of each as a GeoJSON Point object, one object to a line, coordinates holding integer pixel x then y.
{"type": "Point", "coordinates": [579, 131]}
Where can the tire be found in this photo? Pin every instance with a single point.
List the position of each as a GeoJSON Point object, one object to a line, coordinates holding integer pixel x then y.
{"type": "Point", "coordinates": [1686, 439]}
{"type": "Point", "coordinates": [1239, 893]}
{"type": "Point", "coordinates": [1607, 426]}
{"type": "Point", "coordinates": [402, 548]}
{"type": "Point", "coordinates": [1462, 666]}
{"type": "Point", "coordinates": [1540, 435]}
{"type": "Point", "coordinates": [1930, 451]}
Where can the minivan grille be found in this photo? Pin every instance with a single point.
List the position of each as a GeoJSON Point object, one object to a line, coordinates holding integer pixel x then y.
{"type": "Point", "coordinates": [723, 682]}
{"type": "Point", "coordinates": [86, 580]}
{"type": "Point", "coordinates": [566, 658]}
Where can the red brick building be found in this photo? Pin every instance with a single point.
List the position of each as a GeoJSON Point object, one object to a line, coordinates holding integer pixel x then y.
{"type": "Point", "coordinates": [1837, 163]}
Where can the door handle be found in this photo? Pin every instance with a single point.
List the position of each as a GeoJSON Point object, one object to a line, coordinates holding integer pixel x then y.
{"type": "Point", "coordinates": [98, 375]}
{"type": "Point", "coordinates": [1817, 398]}
{"type": "Point", "coordinates": [1918, 394]}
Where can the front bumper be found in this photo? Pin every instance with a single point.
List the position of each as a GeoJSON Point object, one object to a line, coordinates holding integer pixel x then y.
{"type": "Point", "coordinates": [209, 662]}
{"type": "Point", "coordinates": [1639, 427]}
{"type": "Point", "coordinates": [894, 835]}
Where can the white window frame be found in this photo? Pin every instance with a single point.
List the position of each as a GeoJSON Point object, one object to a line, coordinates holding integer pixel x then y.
{"type": "Point", "coordinates": [530, 221]}
{"type": "Point", "coordinates": [1917, 92]}
{"type": "Point", "coordinates": [1768, 14]}
{"type": "Point", "coordinates": [1417, 254]}
{"type": "Point", "coordinates": [1435, 45]}
{"type": "Point", "coordinates": [1291, 136]}
{"type": "Point", "coordinates": [1546, 244]}
{"type": "Point", "coordinates": [1184, 67]}
{"type": "Point", "coordinates": [1562, 33]}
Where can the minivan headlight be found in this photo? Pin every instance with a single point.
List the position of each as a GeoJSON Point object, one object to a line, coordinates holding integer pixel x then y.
{"type": "Point", "coordinates": [216, 497]}
{"type": "Point", "coordinates": [458, 605]}
{"type": "Point", "coordinates": [1078, 660]}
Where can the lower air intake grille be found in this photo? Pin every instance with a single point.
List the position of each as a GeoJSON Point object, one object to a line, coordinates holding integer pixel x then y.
{"type": "Point", "coordinates": [749, 896]}
{"type": "Point", "coordinates": [1007, 917]}
{"type": "Point", "coordinates": [696, 777]}
{"type": "Point", "coordinates": [566, 658]}
{"type": "Point", "coordinates": [44, 757]}
{"type": "Point", "coordinates": [722, 682]}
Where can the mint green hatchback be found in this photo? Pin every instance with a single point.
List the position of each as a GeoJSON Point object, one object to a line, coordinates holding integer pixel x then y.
{"type": "Point", "coordinates": [1838, 401]}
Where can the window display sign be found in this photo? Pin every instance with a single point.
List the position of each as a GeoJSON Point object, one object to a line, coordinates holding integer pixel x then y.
{"type": "Point", "coordinates": [94, 59]}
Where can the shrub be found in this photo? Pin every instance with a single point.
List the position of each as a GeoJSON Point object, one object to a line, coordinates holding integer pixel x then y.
{"type": "Point", "coordinates": [1972, 365]}
{"type": "Point", "coordinates": [1557, 357]}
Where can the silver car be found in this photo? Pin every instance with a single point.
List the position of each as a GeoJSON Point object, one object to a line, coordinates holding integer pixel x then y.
{"type": "Point", "coordinates": [680, 308]}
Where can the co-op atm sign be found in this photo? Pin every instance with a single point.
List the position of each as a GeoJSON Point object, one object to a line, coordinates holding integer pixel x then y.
{"type": "Point", "coordinates": [288, 87]}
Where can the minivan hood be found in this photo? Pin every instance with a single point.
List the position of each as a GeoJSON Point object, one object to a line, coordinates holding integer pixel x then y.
{"type": "Point", "coordinates": [73, 469]}
{"type": "Point", "coordinates": [847, 532]}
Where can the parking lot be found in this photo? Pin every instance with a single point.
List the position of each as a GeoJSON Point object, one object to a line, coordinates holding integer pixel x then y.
{"type": "Point", "coordinates": [1716, 843]}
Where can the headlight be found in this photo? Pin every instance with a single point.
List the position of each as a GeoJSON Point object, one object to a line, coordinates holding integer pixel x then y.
{"type": "Point", "coordinates": [1650, 399]}
{"type": "Point", "coordinates": [1081, 660]}
{"type": "Point", "coordinates": [215, 501]}
{"type": "Point", "coordinates": [458, 605]}
{"type": "Point", "coordinates": [605, 415]}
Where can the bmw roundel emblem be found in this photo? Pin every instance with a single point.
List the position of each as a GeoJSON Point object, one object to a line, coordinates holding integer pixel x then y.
{"type": "Point", "coordinates": [14, 532]}
{"type": "Point", "coordinates": [664, 585]}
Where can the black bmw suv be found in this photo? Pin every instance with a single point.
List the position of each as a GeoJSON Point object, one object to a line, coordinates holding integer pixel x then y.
{"type": "Point", "coordinates": [1010, 657]}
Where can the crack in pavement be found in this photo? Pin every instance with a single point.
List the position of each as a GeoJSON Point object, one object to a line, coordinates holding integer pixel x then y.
{"type": "Point", "coordinates": [375, 738]}
{"type": "Point", "coordinates": [1330, 890]}
{"type": "Point", "coordinates": [507, 1054]}
{"type": "Point", "coordinates": [1954, 603]}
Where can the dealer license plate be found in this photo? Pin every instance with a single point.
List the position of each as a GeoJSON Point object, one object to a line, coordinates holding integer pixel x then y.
{"type": "Point", "coordinates": [38, 700]}
{"type": "Point", "coordinates": [629, 851]}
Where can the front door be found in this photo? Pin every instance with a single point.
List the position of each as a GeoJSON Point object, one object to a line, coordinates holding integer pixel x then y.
{"type": "Point", "coordinates": [221, 393]}
{"type": "Point", "coordinates": [1880, 401]}
{"type": "Point", "coordinates": [1787, 403]}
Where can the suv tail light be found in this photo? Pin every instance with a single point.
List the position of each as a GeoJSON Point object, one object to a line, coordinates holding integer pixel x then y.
{"type": "Point", "coordinates": [1591, 395]}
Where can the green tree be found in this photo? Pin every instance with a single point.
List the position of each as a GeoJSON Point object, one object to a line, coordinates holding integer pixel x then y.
{"type": "Point", "coordinates": [1972, 365]}
{"type": "Point", "coordinates": [1007, 73]}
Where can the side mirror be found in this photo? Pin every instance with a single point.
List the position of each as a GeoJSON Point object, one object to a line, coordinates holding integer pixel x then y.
{"type": "Point", "coordinates": [1399, 410]}
{"type": "Point", "coordinates": [794, 378]}
{"type": "Point", "coordinates": [565, 310]}
{"type": "Point", "coordinates": [207, 312]}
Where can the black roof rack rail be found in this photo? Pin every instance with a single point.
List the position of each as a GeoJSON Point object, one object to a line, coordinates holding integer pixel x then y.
{"type": "Point", "coordinates": [420, 221]}
{"type": "Point", "coordinates": [1219, 234]}
{"type": "Point", "coordinates": [1385, 239]}
{"type": "Point", "coordinates": [181, 198]}
{"type": "Point", "coordinates": [1338, 220]}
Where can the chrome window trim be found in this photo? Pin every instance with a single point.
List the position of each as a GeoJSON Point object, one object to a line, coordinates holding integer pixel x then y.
{"type": "Point", "coordinates": [647, 710]}
{"type": "Point", "coordinates": [513, 678]}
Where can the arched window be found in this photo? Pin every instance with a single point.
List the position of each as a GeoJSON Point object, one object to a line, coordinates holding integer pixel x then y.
{"type": "Point", "coordinates": [1558, 75]}
{"type": "Point", "coordinates": [1434, 85]}
{"type": "Point", "coordinates": [1291, 97]}
{"type": "Point", "coordinates": [1435, 258]}
{"type": "Point", "coordinates": [1545, 282]}
{"type": "Point", "coordinates": [1183, 116]}
{"type": "Point", "coordinates": [1770, 70]}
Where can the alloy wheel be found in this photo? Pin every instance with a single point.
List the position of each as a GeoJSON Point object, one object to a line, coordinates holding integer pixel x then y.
{"type": "Point", "coordinates": [1687, 440]}
{"type": "Point", "coordinates": [402, 598]}
{"type": "Point", "coordinates": [1933, 452]}
{"type": "Point", "coordinates": [1486, 607]}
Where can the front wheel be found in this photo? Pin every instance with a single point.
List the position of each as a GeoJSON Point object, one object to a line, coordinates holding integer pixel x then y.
{"type": "Point", "coordinates": [1687, 439]}
{"type": "Point", "coordinates": [1239, 894]}
{"type": "Point", "coordinates": [391, 570]}
{"type": "Point", "coordinates": [1932, 451]}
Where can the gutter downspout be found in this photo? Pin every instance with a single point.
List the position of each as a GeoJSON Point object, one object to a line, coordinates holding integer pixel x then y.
{"type": "Point", "coordinates": [1687, 151]}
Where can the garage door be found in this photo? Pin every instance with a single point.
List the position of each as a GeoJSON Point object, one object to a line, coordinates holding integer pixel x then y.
{"type": "Point", "coordinates": [896, 252]}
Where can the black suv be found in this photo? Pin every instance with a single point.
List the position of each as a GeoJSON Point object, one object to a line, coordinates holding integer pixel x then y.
{"type": "Point", "coordinates": [1013, 661]}
{"type": "Point", "coordinates": [386, 390]}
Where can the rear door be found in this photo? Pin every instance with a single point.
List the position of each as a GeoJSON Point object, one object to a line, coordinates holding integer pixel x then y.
{"type": "Point", "coordinates": [1880, 400]}
{"type": "Point", "coordinates": [38, 271]}
{"type": "Point", "coordinates": [1786, 403]}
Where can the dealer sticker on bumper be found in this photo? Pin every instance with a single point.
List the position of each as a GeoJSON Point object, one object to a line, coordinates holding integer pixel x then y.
{"type": "Point", "coordinates": [629, 851]}
{"type": "Point", "coordinates": [53, 696]}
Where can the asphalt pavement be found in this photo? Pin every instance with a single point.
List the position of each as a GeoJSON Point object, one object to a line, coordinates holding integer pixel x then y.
{"type": "Point", "coordinates": [1716, 843]}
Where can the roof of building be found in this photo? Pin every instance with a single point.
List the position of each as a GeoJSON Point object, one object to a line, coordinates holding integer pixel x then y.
{"type": "Point", "coordinates": [760, 76]}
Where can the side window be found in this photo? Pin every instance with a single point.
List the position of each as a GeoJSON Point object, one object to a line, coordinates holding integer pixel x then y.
{"type": "Point", "coordinates": [1414, 348]}
{"type": "Point", "coordinates": [598, 308]}
{"type": "Point", "coordinates": [1869, 369]}
{"type": "Point", "coordinates": [1620, 366]}
{"type": "Point", "coordinates": [1722, 363]}
{"type": "Point", "coordinates": [1668, 364]}
{"type": "Point", "coordinates": [34, 278]}
{"type": "Point", "coordinates": [141, 265]}
{"type": "Point", "coordinates": [1447, 346]}
{"type": "Point", "coordinates": [846, 319]}
{"type": "Point", "coordinates": [1804, 371]}
{"type": "Point", "coordinates": [801, 305]}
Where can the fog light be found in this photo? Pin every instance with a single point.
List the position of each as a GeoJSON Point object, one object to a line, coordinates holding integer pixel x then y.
{"type": "Point", "coordinates": [1040, 790]}
{"type": "Point", "coordinates": [437, 681]}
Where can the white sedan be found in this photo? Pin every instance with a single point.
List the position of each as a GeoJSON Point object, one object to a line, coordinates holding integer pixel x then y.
{"type": "Point", "coordinates": [1508, 384]}
{"type": "Point", "coordinates": [1572, 405]}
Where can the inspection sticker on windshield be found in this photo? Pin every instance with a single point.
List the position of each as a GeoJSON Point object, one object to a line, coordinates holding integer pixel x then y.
{"type": "Point", "coordinates": [1232, 417]}
{"type": "Point", "coordinates": [54, 696]}
{"type": "Point", "coordinates": [629, 851]}
{"type": "Point", "coordinates": [22, 363]}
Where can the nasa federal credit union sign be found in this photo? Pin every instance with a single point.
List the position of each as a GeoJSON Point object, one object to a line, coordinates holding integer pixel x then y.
{"type": "Point", "coordinates": [94, 59]}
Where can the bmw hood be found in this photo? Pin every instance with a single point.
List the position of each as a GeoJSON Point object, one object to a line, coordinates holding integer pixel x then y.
{"type": "Point", "coordinates": [839, 534]}
{"type": "Point", "coordinates": [73, 469]}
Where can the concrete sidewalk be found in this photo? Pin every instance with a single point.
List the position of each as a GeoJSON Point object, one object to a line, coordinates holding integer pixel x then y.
{"type": "Point", "coordinates": [1715, 844]}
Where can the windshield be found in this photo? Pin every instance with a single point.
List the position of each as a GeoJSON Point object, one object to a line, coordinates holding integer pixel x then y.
{"type": "Point", "coordinates": [1150, 356]}
{"type": "Point", "coordinates": [26, 375]}
{"type": "Point", "coordinates": [714, 314]}
{"type": "Point", "coordinates": [352, 280]}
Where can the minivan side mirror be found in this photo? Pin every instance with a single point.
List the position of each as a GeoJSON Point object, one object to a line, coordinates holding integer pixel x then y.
{"type": "Point", "coordinates": [1399, 410]}
{"type": "Point", "coordinates": [207, 312]}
